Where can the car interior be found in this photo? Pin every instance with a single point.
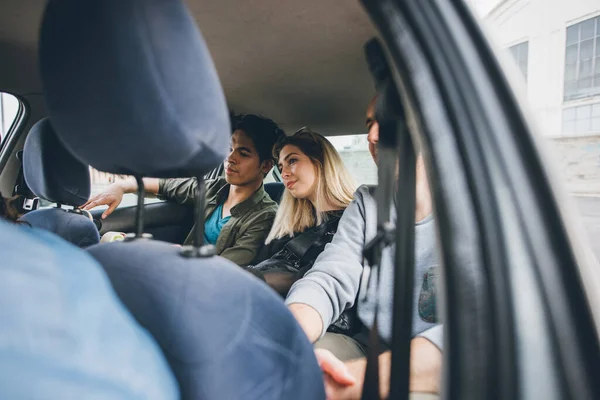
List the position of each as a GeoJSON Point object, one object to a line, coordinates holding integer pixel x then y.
{"type": "Point", "coordinates": [327, 87]}
{"type": "Point", "coordinates": [521, 322]}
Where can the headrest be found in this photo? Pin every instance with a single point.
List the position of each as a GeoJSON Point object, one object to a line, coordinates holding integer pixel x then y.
{"type": "Point", "coordinates": [131, 87]}
{"type": "Point", "coordinates": [51, 172]}
{"type": "Point", "coordinates": [64, 333]}
{"type": "Point", "coordinates": [216, 323]}
{"type": "Point", "coordinates": [275, 191]}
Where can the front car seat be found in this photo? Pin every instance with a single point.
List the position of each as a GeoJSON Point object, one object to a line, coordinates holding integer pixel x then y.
{"type": "Point", "coordinates": [53, 174]}
{"type": "Point", "coordinates": [64, 334]}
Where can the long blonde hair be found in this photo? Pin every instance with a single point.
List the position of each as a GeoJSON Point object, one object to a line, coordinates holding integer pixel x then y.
{"type": "Point", "coordinates": [335, 186]}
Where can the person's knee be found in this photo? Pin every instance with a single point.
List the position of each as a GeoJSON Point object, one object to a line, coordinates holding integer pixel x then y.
{"type": "Point", "coordinates": [425, 366]}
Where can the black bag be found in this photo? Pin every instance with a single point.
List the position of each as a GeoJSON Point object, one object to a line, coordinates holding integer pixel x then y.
{"type": "Point", "coordinates": [295, 259]}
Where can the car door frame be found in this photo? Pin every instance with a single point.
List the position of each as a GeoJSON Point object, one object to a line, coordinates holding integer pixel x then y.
{"type": "Point", "coordinates": [518, 323]}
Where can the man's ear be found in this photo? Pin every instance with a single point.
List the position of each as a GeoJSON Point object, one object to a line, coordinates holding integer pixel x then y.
{"type": "Point", "coordinates": [266, 166]}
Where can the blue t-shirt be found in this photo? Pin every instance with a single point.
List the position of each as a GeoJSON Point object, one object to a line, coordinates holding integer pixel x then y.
{"type": "Point", "coordinates": [214, 224]}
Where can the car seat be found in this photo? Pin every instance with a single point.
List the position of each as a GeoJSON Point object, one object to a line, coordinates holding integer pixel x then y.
{"type": "Point", "coordinates": [275, 190]}
{"type": "Point", "coordinates": [53, 174]}
{"type": "Point", "coordinates": [64, 333]}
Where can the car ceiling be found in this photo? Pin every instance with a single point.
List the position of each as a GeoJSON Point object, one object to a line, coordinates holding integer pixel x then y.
{"type": "Point", "coordinates": [298, 62]}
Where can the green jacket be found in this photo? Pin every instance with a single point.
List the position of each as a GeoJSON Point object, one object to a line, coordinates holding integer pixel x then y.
{"type": "Point", "coordinates": [244, 234]}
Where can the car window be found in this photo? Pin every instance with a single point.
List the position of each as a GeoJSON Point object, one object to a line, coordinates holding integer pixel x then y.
{"type": "Point", "coordinates": [557, 49]}
{"type": "Point", "coordinates": [101, 180]}
{"type": "Point", "coordinates": [9, 110]}
{"type": "Point", "coordinates": [354, 150]}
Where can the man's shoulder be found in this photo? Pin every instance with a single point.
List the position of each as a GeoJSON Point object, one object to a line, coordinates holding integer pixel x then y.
{"type": "Point", "coordinates": [365, 191]}
{"type": "Point", "coordinates": [267, 206]}
{"type": "Point", "coordinates": [265, 201]}
{"type": "Point", "coordinates": [264, 208]}
{"type": "Point", "coordinates": [364, 195]}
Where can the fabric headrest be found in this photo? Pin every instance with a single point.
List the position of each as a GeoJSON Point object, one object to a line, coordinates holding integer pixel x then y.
{"type": "Point", "coordinates": [51, 171]}
{"type": "Point", "coordinates": [131, 87]}
{"type": "Point", "coordinates": [65, 334]}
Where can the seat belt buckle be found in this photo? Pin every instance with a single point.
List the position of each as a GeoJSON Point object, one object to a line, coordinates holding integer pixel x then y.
{"type": "Point", "coordinates": [30, 204]}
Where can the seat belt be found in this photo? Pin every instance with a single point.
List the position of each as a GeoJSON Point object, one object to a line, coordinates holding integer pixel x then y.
{"type": "Point", "coordinates": [394, 138]}
{"type": "Point", "coordinates": [27, 201]}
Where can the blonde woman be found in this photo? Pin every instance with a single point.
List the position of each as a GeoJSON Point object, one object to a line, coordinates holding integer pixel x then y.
{"type": "Point", "coordinates": [318, 188]}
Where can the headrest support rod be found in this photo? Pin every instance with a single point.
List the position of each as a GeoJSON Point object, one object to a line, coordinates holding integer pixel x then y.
{"type": "Point", "coordinates": [139, 214]}
{"type": "Point", "coordinates": [199, 249]}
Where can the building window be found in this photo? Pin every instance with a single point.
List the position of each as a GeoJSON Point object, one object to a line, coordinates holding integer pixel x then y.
{"type": "Point", "coordinates": [582, 60]}
{"type": "Point", "coordinates": [520, 53]}
{"type": "Point", "coordinates": [582, 120]}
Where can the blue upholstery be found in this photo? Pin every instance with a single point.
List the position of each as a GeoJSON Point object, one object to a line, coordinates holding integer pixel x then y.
{"type": "Point", "coordinates": [225, 333]}
{"type": "Point", "coordinates": [275, 190]}
{"type": "Point", "coordinates": [64, 334]}
{"type": "Point", "coordinates": [131, 87]}
{"type": "Point", "coordinates": [74, 228]}
{"type": "Point", "coordinates": [51, 172]}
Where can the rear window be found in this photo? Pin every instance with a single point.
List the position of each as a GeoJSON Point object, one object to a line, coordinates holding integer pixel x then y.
{"type": "Point", "coordinates": [354, 150]}
{"type": "Point", "coordinates": [101, 180]}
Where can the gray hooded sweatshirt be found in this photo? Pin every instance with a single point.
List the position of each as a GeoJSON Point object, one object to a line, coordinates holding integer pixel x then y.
{"type": "Point", "coordinates": [332, 284]}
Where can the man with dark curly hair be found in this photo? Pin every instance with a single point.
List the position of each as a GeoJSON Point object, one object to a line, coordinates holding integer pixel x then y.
{"type": "Point", "coordinates": [238, 213]}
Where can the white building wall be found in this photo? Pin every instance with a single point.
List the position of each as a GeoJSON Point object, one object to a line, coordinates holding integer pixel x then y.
{"type": "Point", "coordinates": [543, 23]}
{"type": "Point", "coordinates": [9, 106]}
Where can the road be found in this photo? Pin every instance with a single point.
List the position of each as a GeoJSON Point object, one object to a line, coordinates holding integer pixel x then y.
{"type": "Point", "coordinates": [589, 209]}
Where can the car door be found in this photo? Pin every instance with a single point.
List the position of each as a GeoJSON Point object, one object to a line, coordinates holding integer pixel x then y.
{"type": "Point", "coordinates": [166, 221]}
{"type": "Point", "coordinates": [522, 320]}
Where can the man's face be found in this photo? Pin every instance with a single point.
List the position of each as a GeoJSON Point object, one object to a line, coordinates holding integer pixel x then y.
{"type": "Point", "coordinates": [373, 129]}
{"type": "Point", "coordinates": [243, 165]}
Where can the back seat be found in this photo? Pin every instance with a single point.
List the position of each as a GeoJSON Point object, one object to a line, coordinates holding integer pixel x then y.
{"type": "Point", "coordinates": [275, 190]}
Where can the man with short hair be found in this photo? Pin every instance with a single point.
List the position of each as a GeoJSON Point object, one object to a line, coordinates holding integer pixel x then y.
{"type": "Point", "coordinates": [333, 284]}
{"type": "Point", "coordinates": [238, 212]}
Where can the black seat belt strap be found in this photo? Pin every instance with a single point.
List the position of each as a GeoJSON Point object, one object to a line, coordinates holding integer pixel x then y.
{"type": "Point", "coordinates": [393, 136]}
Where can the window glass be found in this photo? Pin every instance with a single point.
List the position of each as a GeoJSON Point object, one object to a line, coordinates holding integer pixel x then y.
{"type": "Point", "coordinates": [562, 68]}
{"type": "Point", "coordinates": [582, 54]}
{"type": "Point", "coordinates": [520, 53]}
{"type": "Point", "coordinates": [354, 150]}
{"type": "Point", "coordinates": [101, 180]}
{"type": "Point", "coordinates": [9, 109]}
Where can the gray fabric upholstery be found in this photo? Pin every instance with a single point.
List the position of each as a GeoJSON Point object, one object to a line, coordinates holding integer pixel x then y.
{"type": "Point", "coordinates": [73, 227]}
{"type": "Point", "coordinates": [64, 334]}
{"type": "Point", "coordinates": [131, 87]}
{"type": "Point", "coordinates": [51, 172]}
{"type": "Point", "coordinates": [226, 334]}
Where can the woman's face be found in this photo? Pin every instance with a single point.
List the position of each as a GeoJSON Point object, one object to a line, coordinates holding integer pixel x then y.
{"type": "Point", "coordinates": [298, 172]}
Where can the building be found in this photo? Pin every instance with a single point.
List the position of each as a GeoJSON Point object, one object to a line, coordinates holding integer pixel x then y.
{"type": "Point", "coordinates": [556, 44]}
{"type": "Point", "coordinates": [9, 106]}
